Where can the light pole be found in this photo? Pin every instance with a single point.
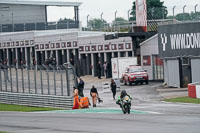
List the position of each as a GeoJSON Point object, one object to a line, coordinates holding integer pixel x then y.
{"type": "Point", "coordinates": [163, 12]}
{"type": "Point", "coordinates": [152, 11]}
{"type": "Point", "coordinates": [173, 10]}
{"type": "Point", "coordinates": [195, 10]}
{"type": "Point", "coordinates": [101, 20]}
{"type": "Point", "coordinates": [12, 23]}
{"type": "Point", "coordinates": [101, 16]}
{"type": "Point", "coordinates": [87, 19]}
{"type": "Point", "coordinates": [184, 12]}
{"type": "Point", "coordinates": [129, 13]}
{"type": "Point", "coordinates": [115, 15]}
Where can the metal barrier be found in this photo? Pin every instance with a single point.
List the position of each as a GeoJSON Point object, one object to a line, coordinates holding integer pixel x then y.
{"type": "Point", "coordinates": [37, 26]}
{"type": "Point", "coordinates": [37, 100]}
{"type": "Point", "coordinates": [49, 81]}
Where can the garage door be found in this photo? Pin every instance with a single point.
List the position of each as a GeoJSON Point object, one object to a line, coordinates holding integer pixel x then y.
{"type": "Point", "coordinates": [195, 66]}
{"type": "Point", "coordinates": [172, 73]}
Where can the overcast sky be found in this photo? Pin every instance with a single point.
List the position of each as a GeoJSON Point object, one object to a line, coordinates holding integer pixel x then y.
{"type": "Point", "coordinates": [94, 8]}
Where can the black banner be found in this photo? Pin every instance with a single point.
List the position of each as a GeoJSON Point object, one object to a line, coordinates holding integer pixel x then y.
{"type": "Point", "coordinates": [179, 40]}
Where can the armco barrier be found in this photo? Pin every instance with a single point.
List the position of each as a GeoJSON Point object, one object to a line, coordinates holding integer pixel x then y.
{"type": "Point", "coordinates": [194, 90]}
{"type": "Point", "coordinates": [65, 102]}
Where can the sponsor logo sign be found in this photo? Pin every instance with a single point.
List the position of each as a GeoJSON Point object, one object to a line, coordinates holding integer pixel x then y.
{"type": "Point", "coordinates": [179, 40]}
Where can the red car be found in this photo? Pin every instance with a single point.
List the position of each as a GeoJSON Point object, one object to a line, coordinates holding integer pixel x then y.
{"type": "Point", "coordinates": [135, 74]}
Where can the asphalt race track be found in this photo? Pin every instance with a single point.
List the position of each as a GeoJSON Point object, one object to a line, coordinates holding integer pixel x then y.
{"type": "Point", "coordinates": [148, 114]}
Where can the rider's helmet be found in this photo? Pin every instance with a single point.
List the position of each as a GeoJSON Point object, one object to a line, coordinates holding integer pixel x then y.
{"type": "Point", "coordinates": [123, 93]}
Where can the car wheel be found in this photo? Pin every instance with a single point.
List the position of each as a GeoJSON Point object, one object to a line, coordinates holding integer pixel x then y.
{"type": "Point", "coordinates": [141, 83]}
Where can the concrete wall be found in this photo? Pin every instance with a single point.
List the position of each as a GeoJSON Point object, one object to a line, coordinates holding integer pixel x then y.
{"type": "Point", "coordinates": [150, 48]}
{"type": "Point", "coordinates": [91, 40]}
{"type": "Point", "coordinates": [9, 37]}
{"type": "Point", "coordinates": [65, 37]}
{"type": "Point", "coordinates": [10, 14]}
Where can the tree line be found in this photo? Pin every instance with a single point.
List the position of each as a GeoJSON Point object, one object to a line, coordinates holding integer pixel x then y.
{"type": "Point", "coordinates": [155, 10]}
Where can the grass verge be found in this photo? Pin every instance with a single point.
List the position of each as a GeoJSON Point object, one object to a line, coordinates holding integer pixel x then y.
{"type": "Point", "coordinates": [184, 100]}
{"type": "Point", "coordinates": [11, 107]}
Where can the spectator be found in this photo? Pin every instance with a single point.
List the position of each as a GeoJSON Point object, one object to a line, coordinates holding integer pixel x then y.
{"type": "Point", "coordinates": [99, 69]}
{"type": "Point", "coordinates": [81, 87]}
{"type": "Point", "coordinates": [94, 95]}
{"type": "Point", "coordinates": [71, 61]}
{"type": "Point", "coordinates": [113, 88]}
{"type": "Point", "coordinates": [53, 63]}
{"type": "Point", "coordinates": [105, 69]}
{"type": "Point", "coordinates": [33, 59]}
{"type": "Point", "coordinates": [47, 61]}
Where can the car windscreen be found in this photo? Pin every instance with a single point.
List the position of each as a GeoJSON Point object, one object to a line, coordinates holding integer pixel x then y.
{"type": "Point", "coordinates": [137, 69]}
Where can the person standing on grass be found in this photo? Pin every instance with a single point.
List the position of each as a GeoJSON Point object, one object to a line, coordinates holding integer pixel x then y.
{"type": "Point", "coordinates": [113, 88]}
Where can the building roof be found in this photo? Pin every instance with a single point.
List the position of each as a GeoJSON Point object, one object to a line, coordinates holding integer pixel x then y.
{"type": "Point", "coordinates": [156, 35]}
{"type": "Point", "coordinates": [41, 2]}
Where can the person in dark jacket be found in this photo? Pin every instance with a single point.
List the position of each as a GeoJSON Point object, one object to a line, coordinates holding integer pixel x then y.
{"type": "Point", "coordinates": [94, 94]}
{"type": "Point", "coordinates": [99, 69]}
{"type": "Point", "coordinates": [81, 87]}
{"type": "Point", "coordinates": [71, 61]}
{"type": "Point", "coordinates": [53, 62]}
{"type": "Point", "coordinates": [113, 88]}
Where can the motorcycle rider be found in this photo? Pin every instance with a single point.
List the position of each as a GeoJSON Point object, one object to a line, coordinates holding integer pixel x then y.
{"type": "Point", "coordinates": [123, 94]}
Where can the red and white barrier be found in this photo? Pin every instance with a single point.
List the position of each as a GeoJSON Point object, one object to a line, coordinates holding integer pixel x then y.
{"type": "Point", "coordinates": [194, 90]}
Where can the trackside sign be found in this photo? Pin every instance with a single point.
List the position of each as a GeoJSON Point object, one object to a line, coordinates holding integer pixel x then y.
{"type": "Point", "coordinates": [179, 40]}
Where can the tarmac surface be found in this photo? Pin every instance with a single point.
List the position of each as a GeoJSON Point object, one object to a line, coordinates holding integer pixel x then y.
{"type": "Point", "coordinates": [149, 113]}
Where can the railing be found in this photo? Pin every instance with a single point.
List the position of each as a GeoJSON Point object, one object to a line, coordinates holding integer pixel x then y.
{"type": "Point", "coordinates": [44, 80]}
{"type": "Point", "coordinates": [129, 26]}
{"type": "Point", "coordinates": [37, 26]}
{"type": "Point", "coordinates": [50, 86]}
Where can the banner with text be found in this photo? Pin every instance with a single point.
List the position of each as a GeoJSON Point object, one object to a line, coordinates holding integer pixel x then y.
{"type": "Point", "coordinates": [179, 40]}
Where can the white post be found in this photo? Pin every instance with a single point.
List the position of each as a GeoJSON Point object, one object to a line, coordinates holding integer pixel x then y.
{"type": "Point", "coordinates": [36, 59]}
{"type": "Point", "coordinates": [68, 54]}
{"type": "Point", "coordinates": [57, 57]}
{"type": "Point", "coordinates": [26, 56]}
{"type": "Point", "coordinates": [113, 55]}
{"type": "Point", "coordinates": [46, 54]}
{"type": "Point", "coordinates": [118, 54]}
{"type": "Point", "coordinates": [8, 57]}
{"type": "Point", "coordinates": [16, 54]}
{"type": "Point", "coordinates": [105, 57]}
{"type": "Point", "coordinates": [126, 52]}
{"type": "Point", "coordinates": [132, 53]}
